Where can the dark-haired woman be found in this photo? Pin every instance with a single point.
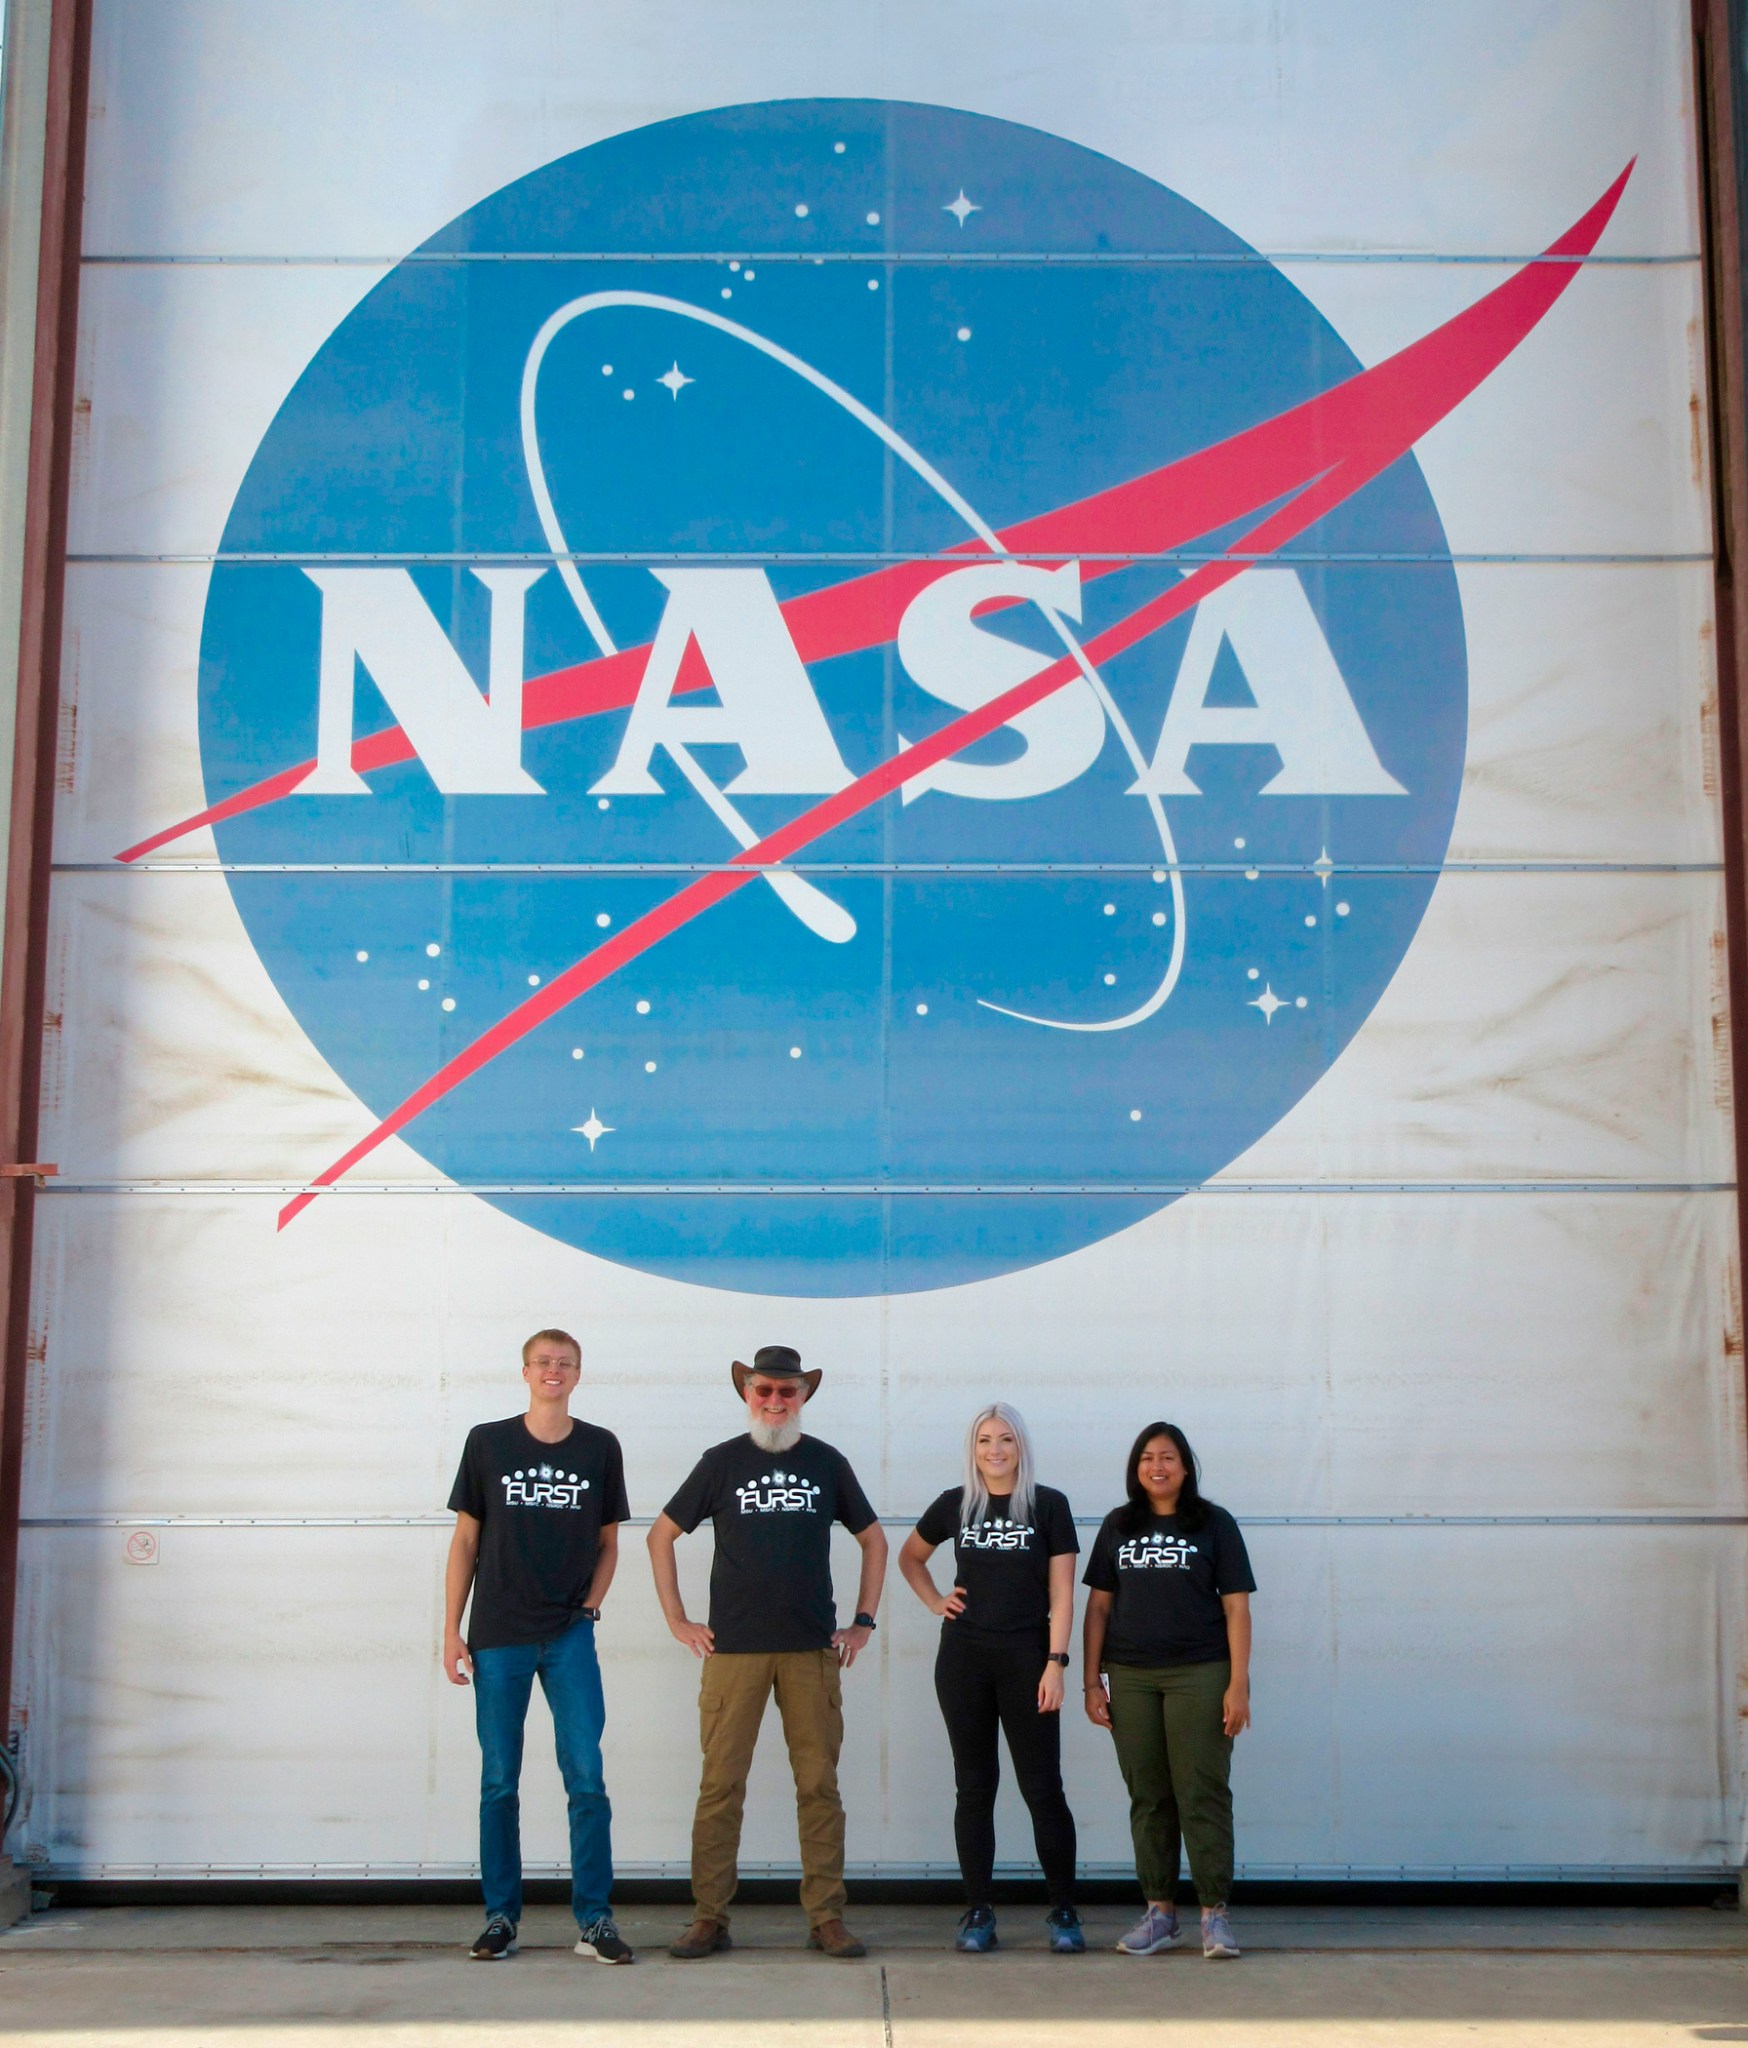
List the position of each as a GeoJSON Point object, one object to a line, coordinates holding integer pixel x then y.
{"type": "Point", "coordinates": [1168, 1673]}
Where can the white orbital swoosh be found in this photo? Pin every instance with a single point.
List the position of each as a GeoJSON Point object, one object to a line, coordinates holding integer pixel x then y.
{"type": "Point", "coordinates": [821, 914]}
{"type": "Point", "coordinates": [595, 302]}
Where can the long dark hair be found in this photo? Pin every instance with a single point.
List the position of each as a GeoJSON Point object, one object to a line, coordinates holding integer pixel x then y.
{"type": "Point", "coordinates": [1137, 1511]}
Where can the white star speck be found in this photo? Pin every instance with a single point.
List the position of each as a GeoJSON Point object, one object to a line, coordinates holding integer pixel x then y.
{"type": "Point", "coordinates": [1268, 1003]}
{"type": "Point", "coordinates": [594, 1130]}
{"type": "Point", "coordinates": [962, 208]}
{"type": "Point", "coordinates": [1323, 867]}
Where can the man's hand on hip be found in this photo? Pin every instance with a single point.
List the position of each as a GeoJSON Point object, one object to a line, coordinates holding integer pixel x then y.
{"type": "Point", "coordinates": [457, 1664]}
{"type": "Point", "coordinates": [850, 1643]}
{"type": "Point", "coordinates": [697, 1638]}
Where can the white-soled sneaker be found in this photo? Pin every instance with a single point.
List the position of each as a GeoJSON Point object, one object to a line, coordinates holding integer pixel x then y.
{"type": "Point", "coordinates": [602, 1942]}
{"type": "Point", "coordinates": [1217, 1942]}
{"type": "Point", "coordinates": [1152, 1932]}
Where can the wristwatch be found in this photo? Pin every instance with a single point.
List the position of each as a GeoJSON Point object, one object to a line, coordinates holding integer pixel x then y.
{"type": "Point", "coordinates": [864, 1621]}
{"type": "Point", "coordinates": [1058, 1657]}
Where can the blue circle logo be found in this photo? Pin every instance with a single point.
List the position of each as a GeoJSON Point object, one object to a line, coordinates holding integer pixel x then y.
{"type": "Point", "coordinates": [837, 697]}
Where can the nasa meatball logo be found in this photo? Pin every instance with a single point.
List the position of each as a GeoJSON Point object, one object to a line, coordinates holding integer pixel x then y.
{"type": "Point", "coordinates": [836, 697]}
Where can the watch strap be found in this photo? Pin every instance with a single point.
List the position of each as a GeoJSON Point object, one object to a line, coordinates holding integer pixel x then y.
{"type": "Point", "coordinates": [864, 1621]}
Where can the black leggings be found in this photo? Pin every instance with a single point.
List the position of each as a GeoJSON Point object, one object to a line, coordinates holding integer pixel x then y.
{"type": "Point", "coordinates": [981, 1688]}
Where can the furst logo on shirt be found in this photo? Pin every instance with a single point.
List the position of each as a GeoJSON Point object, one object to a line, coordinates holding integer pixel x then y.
{"type": "Point", "coordinates": [543, 1486]}
{"type": "Point", "coordinates": [777, 1493]}
{"type": "Point", "coordinates": [998, 1534]}
{"type": "Point", "coordinates": [1155, 1554]}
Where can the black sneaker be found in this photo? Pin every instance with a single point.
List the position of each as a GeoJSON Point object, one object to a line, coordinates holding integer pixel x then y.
{"type": "Point", "coordinates": [497, 1942]}
{"type": "Point", "coordinates": [600, 1942]}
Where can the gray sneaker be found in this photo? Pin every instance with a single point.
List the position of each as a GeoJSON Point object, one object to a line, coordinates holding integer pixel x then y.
{"type": "Point", "coordinates": [1217, 1941]}
{"type": "Point", "coordinates": [1152, 1932]}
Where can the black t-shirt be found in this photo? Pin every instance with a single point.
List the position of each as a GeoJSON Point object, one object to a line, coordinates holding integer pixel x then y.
{"type": "Point", "coordinates": [542, 1507]}
{"type": "Point", "coordinates": [1167, 1588]}
{"type": "Point", "coordinates": [1003, 1565]}
{"type": "Point", "coordinates": [771, 1582]}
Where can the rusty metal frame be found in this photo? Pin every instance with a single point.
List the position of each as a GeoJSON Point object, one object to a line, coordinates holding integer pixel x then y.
{"type": "Point", "coordinates": [23, 964]}
{"type": "Point", "coordinates": [1720, 107]}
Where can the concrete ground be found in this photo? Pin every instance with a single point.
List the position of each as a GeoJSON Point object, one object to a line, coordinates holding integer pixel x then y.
{"type": "Point", "coordinates": [1324, 1977]}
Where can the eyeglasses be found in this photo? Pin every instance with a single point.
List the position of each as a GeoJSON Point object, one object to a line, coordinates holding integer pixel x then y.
{"type": "Point", "coordinates": [771, 1390]}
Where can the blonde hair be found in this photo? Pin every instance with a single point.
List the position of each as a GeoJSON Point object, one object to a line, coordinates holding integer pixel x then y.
{"type": "Point", "coordinates": [552, 1337]}
{"type": "Point", "coordinates": [974, 1501]}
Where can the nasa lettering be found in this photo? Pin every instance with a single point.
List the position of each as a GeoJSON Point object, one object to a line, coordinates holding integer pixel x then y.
{"type": "Point", "coordinates": [820, 703]}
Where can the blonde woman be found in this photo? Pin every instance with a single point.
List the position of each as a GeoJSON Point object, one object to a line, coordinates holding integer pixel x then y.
{"type": "Point", "coordinates": [1004, 1651]}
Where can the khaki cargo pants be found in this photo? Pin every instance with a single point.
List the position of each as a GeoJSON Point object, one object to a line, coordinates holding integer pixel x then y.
{"type": "Point", "coordinates": [731, 1704]}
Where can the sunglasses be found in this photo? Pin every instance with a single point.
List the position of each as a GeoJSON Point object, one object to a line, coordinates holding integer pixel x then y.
{"type": "Point", "coordinates": [768, 1390]}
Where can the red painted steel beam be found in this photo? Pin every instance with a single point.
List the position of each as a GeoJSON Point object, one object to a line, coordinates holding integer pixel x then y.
{"type": "Point", "coordinates": [23, 963]}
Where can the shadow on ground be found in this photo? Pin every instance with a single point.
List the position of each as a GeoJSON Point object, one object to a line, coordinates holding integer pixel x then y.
{"type": "Point", "coordinates": [344, 1978]}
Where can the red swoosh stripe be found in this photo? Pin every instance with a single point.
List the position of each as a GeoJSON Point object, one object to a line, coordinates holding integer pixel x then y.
{"type": "Point", "coordinates": [1325, 450]}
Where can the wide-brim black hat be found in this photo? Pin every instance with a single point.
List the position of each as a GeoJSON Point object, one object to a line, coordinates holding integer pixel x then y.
{"type": "Point", "coordinates": [776, 1362]}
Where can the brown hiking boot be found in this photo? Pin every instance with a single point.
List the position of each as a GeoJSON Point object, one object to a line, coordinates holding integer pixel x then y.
{"type": "Point", "coordinates": [702, 1938]}
{"type": "Point", "coordinates": [835, 1939]}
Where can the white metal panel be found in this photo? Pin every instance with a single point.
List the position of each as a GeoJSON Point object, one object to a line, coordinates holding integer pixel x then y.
{"type": "Point", "coordinates": [1437, 1354]}
{"type": "Point", "coordinates": [1591, 712]}
{"type": "Point", "coordinates": [299, 1723]}
{"type": "Point", "coordinates": [1606, 986]}
{"type": "Point", "coordinates": [1361, 126]}
{"type": "Point", "coordinates": [1608, 990]}
{"type": "Point", "coordinates": [191, 356]}
{"type": "Point", "coordinates": [1588, 440]}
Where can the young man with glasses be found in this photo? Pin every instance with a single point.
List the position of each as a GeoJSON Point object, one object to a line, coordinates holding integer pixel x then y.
{"type": "Point", "coordinates": [538, 1502]}
{"type": "Point", "coordinates": [772, 1495]}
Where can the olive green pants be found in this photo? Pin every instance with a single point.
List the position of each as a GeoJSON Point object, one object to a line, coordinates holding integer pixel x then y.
{"type": "Point", "coordinates": [731, 1704]}
{"type": "Point", "coordinates": [1176, 1760]}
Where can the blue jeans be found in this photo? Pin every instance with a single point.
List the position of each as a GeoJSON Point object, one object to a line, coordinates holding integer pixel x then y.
{"type": "Point", "coordinates": [570, 1677]}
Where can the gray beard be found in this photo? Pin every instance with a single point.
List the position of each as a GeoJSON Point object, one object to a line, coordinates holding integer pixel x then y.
{"type": "Point", "coordinates": [775, 1436]}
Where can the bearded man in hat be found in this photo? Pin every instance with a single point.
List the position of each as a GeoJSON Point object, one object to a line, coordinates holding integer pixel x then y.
{"type": "Point", "coordinates": [772, 1495]}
